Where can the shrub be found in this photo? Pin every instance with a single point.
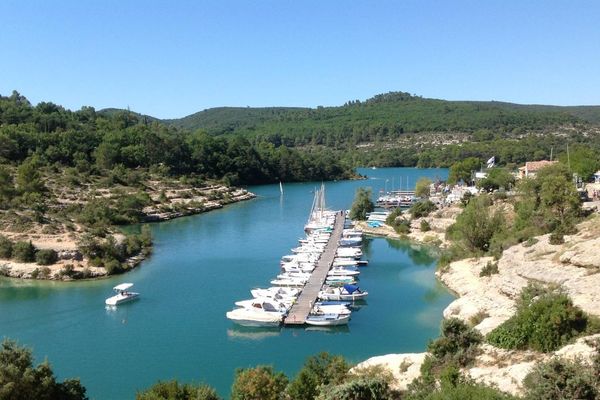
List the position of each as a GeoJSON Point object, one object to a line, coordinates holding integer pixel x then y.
{"type": "Point", "coordinates": [322, 369]}
{"type": "Point", "coordinates": [258, 383]}
{"type": "Point", "coordinates": [545, 320]}
{"type": "Point", "coordinates": [112, 266]}
{"type": "Point", "coordinates": [559, 379]}
{"type": "Point", "coordinates": [363, 388]}
{"type": "Point", "coordinates": [173, 390]}
{"type": "Point", "coordinates": [489, 269]}
{"type": "Point", "coordinates": [46, 257]}
{"type": "Point", "coordinates": [457, 343]}
{"type": "Point", "coordinates": [422, 209]}
{"type": "Point", "coordinates": [24, 251]}
{"type": "Point", "coordinates": [6, 247]}
{"type": "Point", "coordinates": [425, 227]}
{"type": "Point", "coordinates": [530, 242]}
{"type": "Point", "coordinates": [556, 238]}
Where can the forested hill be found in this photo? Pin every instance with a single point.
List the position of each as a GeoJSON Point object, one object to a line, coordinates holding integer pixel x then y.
{"type": "Point", "coordinates": [385, 115]}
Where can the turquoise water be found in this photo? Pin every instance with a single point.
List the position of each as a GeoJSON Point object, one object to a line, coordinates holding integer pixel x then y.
{"type": "Point", "coordinates": [201, 265]}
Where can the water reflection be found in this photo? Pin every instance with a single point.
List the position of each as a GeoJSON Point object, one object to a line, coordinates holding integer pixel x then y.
{"type": "Point", "coordinates": [252, 333]}
{"type": "Point", "coordinates": [421, 255]}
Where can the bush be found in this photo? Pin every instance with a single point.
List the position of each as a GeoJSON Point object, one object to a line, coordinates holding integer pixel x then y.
{"type": "Point", "coordinates": [6, 247]}
{"type": "Point", "coordinates": [425, 227]}
{"type": "Point", "coordinates": [422, 209]}
{"type": "Point", "coordinates": [173, 390]}
{"type": "Point", "coordinates": [489, 269]}
{"type": "Point", "coordinates": [559, 379]}
{"type": "Point", "coordinates": [320, 370]}
{"type": "Point", "coordinates": [24, 251]}
{"type": "Point", "coordinates": [457, 343]}
{"type": "Point", "coordinates": [19, 379]}
{"type": "Point", "coordinates": [46, 257]}
{"type": "Point", "coordinates": [363, 388]}
{"type": "Point", "coordinates": [556, 238]}
{"type": "Point", "coordinates": [545, 321]}
{"type": "Point", "coordinates": [258, 383]}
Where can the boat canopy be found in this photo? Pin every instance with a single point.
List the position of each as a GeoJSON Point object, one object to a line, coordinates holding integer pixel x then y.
{"type": "Point", "coordinates": [351, 288]}
{"type": "Point", "coordinates": [123, 286]}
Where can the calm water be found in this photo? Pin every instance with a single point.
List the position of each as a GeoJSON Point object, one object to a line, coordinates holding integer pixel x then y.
{"type": "Point", "coordinates": [200, 266]}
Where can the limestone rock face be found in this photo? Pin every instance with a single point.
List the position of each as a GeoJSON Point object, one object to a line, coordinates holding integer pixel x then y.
{"type": "Point", "coordinates": [403, 367]}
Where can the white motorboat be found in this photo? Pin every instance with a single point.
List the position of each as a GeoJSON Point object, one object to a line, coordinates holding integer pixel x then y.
{"type": "Point", "coordinates": [344, 293]}
{"type": "Point", "coordinates": [320, 308]}
{"type": "Point", "coordinates": [289, 282]}
{"type": "Point", "coordinates": [123, 295]}
{"type": "Point", "coordinates": [275, 291]}
{"type": "Point", "coordinates": [328, 319]}
{"type": "Point", "coordinates": [337, 271]}
{"type": "Point", "coordinates": [251, 317]}
{"type": "Point", "coordinates": [266, 303]}
{"type": "Point", "coordinates": [298, 267]}
{"type": "Point", "coordinates": [340, 280]}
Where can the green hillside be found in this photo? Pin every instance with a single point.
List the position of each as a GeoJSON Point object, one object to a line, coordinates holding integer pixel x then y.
{"type": "Point", "coordinates": [385, 116]}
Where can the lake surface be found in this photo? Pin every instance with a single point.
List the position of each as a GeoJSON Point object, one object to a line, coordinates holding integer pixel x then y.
{"type": "Point", "coordinates": [200, 266]}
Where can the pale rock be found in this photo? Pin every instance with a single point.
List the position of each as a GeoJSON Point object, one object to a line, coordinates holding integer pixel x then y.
{"type": "Point", "coordinates": [403, 367]}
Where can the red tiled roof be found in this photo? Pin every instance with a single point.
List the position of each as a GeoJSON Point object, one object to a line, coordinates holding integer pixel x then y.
{"type": "Point", "coordinates": [533, 166]}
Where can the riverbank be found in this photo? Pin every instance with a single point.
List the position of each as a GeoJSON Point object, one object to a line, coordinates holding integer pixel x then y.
{"type": "Point", "coordinates": [65, 237]}
{"type": "Point", "coordinates": [438, 222]}
{"type": "Point", "coordinates": [487, 301]}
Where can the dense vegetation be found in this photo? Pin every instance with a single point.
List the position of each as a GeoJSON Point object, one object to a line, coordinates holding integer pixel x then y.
{"type": "Point", "coordinates": [362, 204]}
{"type": "Point", "coordinates": [545, 321]}
{"type": "Point", "coordinates": [90, 142]}
{"type": "Point", "coordinates": [548, 203]}
{"type": "Point", "coordinates": [21, 380]}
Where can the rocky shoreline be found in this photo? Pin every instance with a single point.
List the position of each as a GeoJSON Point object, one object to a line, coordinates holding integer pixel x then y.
{"type": "Point", "coordinates": [71, 265]}
{"type": "Point", "coordinates": [488, 301]}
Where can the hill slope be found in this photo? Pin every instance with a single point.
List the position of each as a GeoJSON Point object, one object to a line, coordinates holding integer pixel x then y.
{"type": "Point", "coordinates": [388, 114]}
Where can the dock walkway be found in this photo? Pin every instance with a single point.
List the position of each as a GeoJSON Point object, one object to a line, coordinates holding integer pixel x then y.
{"type": "Point", "coordinates": [306, 300]}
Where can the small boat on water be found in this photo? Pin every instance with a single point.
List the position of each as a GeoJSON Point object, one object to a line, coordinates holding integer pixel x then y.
{"type": "Point", "coordinates": [258, 313]}
{"type": "Point", "coordinates": [275, 292]}
{"type": "Point", "coordinates": [123, 295]}
{"type": "Point", "coordinates": [327, 319]}
{"type": "Point", "coordinates": [345, 293]}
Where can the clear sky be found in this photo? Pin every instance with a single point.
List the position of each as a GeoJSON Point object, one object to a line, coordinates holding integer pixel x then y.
{"type": "Point", "coordinates": [172, 58]}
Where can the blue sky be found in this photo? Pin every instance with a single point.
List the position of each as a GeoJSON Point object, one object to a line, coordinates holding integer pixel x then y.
{"type": "Point", "coordinates": [173, 58]}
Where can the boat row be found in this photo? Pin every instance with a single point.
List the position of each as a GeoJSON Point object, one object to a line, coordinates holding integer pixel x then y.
{"type": "Point", "coordinates": [272, 305]}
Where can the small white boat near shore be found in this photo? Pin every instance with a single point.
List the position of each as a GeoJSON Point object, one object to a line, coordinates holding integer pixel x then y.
{"type": "Point", "coordinates": [328, 319]}
{"type": "Point", "coordinates": [122, 296]}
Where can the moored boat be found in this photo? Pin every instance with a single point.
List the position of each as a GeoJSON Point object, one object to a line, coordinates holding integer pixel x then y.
{"type": "Point", "coordinates": [123, 295]}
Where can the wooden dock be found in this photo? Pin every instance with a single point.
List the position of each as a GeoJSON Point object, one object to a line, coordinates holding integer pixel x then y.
{"type": "Point", "coordinates": [304, 303]}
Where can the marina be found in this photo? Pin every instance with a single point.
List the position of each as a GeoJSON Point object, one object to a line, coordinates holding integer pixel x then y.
{"type": "Point", "coordinates": [311, 271]}
{"type": "Point", "coordinates": [200, 266]}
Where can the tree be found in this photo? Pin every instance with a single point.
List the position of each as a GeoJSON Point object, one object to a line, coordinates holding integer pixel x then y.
{"type": "Point", "coordinates": [476, 225]}
{"type": "Point", "coordinates": [319, 370]}
{"type": "Point", "coordinates": [462, 170]}
{"type": "Point", "coordinates": [362, 204]}
{"type": "Point", "coordinates": [559, 198]}
{"type": "Point", "coordinates": [6, 247]}
{"type": "Point", "coordinates": [582, 160]}
{"type": "Point", "coordinates": [20, 380]}
{"type": "Point", "coordinates": [259, 383]}
{"type": "Point", "coordinates": [7, 188]}
{"type": "Point", "coordinates": [173, 390]}
{"type": "Point", "coordinates": [423, 187]}
{"type": "Point", "coordinates": [28, 177]}
{"type": "Point", "coordinates": [46, 257]}
{"type": "Point", "coordinates": [457, 343]}
{"type": "Point", "coordinates": [497, 178]}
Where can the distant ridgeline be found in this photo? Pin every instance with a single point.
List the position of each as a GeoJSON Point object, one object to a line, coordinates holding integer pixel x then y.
{"type": "Point", "coordinates": [258, 145]}
{"type": "Point", "coordinates": [97, 142]}
{"type": "Point", "coordinates": [400, 129]}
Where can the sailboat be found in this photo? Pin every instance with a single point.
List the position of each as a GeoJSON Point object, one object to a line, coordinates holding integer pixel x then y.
{"type": "Point", "coordinates": [319, 218]}
{"type": "Point", "coordinates": [281, 187]}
